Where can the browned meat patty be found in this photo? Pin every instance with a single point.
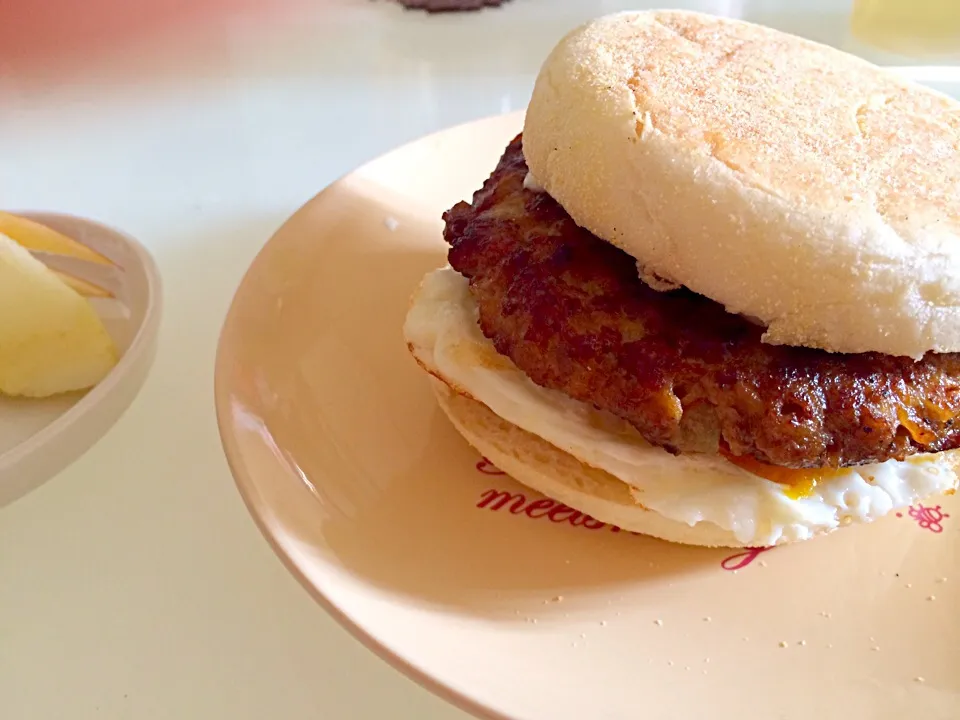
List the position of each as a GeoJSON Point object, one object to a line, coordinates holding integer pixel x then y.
{"type": "Point", "coordinates": [571, 312]}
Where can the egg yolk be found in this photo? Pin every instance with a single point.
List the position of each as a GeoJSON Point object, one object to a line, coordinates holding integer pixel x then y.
{"type": "Point", "coordinates": [796, 483]}
{"type": "Point", "coordinates": [484, 355]}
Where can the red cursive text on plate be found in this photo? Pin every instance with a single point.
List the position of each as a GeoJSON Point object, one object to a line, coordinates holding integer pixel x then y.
{"type": "Point", "coordinates": [517, 503]}
{"type": "Point", "coordinates": [928, 518]}
{"type": "Point", "coordinates": [488, 468]}
{"type": "Point", "coordinates": [742, 559]}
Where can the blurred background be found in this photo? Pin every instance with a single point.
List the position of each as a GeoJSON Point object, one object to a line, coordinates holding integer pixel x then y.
{"type": "Point", "coordinates": [57, 39]}
{"type": "Point", "coordinates": [368, 69]}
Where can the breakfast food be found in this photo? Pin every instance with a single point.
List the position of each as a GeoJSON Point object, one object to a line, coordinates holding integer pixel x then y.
{"type": "Point", "coordinates": [693, 373]}
{"type": "Point", "coordinates": [790, 182]}
{"type": "Point", "coordinates": [712, 293]}
{"type": "Point", "coordinates": [51, 339]}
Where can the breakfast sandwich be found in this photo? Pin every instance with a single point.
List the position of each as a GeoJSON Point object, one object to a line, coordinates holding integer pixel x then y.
{"type": "Point", "coordinates": [712, 292]}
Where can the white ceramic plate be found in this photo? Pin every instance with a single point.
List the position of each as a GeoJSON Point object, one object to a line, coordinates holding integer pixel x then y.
{"type": "Point", "coordinates": [443, 566]}
{"type": "Point", "coordinates": [38, 438]}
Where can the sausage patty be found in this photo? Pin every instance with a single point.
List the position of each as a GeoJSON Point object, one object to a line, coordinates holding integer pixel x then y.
{"type": "Point", "coordinates": [570, 310]}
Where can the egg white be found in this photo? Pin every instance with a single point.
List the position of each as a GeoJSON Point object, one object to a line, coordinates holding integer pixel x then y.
{"type": "Point", "coordinates": [689, 488]}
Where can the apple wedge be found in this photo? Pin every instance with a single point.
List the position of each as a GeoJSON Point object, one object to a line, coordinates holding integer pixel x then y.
{"type": "Point", "coordinates": [51, 340]}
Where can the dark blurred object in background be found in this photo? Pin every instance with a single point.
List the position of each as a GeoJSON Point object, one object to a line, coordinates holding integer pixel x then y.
{"type": "Point", "coordinates": [440, 6]}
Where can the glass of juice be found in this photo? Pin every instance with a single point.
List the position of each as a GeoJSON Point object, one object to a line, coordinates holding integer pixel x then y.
{"type": "Point", "coordinates": [919, 28]}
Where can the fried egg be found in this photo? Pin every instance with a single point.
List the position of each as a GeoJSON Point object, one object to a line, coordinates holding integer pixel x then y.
{"type": "Point", "coordinates": [759, 504]}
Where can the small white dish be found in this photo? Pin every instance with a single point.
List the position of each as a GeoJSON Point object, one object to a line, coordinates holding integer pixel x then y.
{"type": "Point", "coordinates": [39, 438]}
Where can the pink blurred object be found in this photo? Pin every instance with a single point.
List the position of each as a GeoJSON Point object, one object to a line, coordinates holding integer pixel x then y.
{"type": "Point", "coordinates": [40, 34]}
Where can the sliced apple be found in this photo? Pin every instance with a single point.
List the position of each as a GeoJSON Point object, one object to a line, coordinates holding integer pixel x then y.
{"type": "Point", "coordinates": [40, 238]}
{"type": "Point", "coordinates": [51, 340]}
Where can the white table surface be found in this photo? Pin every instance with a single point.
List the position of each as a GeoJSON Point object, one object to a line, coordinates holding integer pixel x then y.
{"type": "Point", "coordinates": [135, 585]}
